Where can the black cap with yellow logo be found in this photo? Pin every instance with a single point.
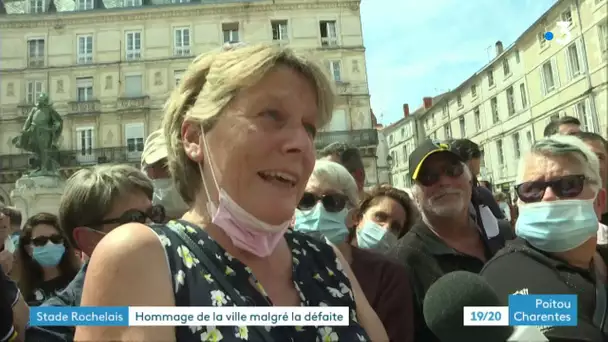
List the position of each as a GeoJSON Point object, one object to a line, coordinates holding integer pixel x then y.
{"type": "Point", "coordinates": [423, 151]}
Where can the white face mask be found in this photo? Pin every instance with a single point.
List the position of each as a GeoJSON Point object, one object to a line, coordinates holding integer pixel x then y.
{"type": "Point", "coordinates": [166, 194]}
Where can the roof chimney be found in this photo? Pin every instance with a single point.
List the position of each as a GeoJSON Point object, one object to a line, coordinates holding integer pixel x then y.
{"type": "Point", "coordinates": [499, 48]}
{"type": "Point", "coordinates": [406, 110]}
{"type": "Point", "coordinates": [427, 102]}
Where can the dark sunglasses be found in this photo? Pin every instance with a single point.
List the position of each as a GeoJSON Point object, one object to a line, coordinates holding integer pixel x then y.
{"type": "Point", "coordinates": [563, 187]}
{"type": "Point", "coordinates": [43, 240]}
{"type": "Point", "coordinates": [431, 177]}
{"type": "Point", "coordinates": [155, 213]}
{"type": "Point", "coordinates": [331, 202]}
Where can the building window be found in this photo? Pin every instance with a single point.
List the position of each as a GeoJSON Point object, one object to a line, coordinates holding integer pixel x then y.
{"type": "Point", "coordinates": [35, 54]}
{"type": "Point", "coordinates": [516, 148]}
{"type": "Point", "coordinates": [524, 100]}
{"type": "Point", "coordinates": [181, 44]}
{"type": "Point", "coordinates": [405, 154]}
{"type": "Point", "coordinates": [573, 60]}
{"type": "Point", "coordinates": [529, 138]}
{"type": "Point", "coordinates": [329, 35]}
{"type": "Point", "coordinates": [444, 112]}
{"type": "Point", "coordinates": [84, 89]}
{"type": "Point", "coordinates": [402, 133]}
{"type": "Point", "coordinates": [490, 77]}
{"type": "Point", "coordinates": [581, 109]}
{"type": "Point", "coordinates": [133, 86]}
{"type": "Point", "coordinates": [461, 122]}
{"type": "Point", "coordinates": [34, 90]}
{"type": "Point", "coordinates": [132, 3]}
{"type": "Point", "coordinates": [477, 118]}
{"type": "Point", "coordinates": [84, 5]}
{"type": "Point", "coordinates": [510, 100]}
{"type": "Point", "coordinates": [567, 16]}
{"type": "Point", "coordinates": [474, 90]}
{"type": "Point", "coordinates": [447, 131]}
{"type": "Point", "coordinates": [335, 68]}
{"type": "Point", "coordinates": [85, 49]}
{"type": "Point", "coordinates": [549, 77]}
{"type": "Point", "coordinates": [459, 101]}
{"type": "Point", "coordinates": [177, 76]}
{"type": "Point", "coordinates": [494, 107]}
{"type": "Point", "coordinates": [505, 67]}
{"type": "Point", "coordinates": [133, 45]}
{"type": "Point", "coordinates": [231, 32]}
{"type": "Point", "coordinates": [279, 30]}
{"type": "Point", "coordinates": [501, 156]}
{"type": "Point", "coordinates": [517, 60]}
{"type": "Point", "coordinates": [134, 137]}
{"type": "Point", "coordinates": [36, 6]}
{"type": "Point", "coordinates": [85, 141]}
{"type": "Point", "coordinates": [603, 37]}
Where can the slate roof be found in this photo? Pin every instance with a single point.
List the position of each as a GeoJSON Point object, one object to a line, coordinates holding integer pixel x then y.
{"type": "Point", "coordinates": [16, 7]}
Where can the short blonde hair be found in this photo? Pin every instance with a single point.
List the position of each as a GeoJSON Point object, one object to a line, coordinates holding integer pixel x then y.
{"type": "Point", "coordinates": [337, 177]}
{"type": "Point", "coordinates": [211, 83]}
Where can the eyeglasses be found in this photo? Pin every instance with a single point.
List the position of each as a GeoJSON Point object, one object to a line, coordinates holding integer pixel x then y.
{"type": "Point", "coordinates": [43, 240]}
{"type": "Point", "coordinates": [155, 213]}
{"type": "Point", "coordinates": [431, 177]}
{"type": "Point", "coordinates": [564, 187]}
{"type": "Point", "coordinates": [331, 202]}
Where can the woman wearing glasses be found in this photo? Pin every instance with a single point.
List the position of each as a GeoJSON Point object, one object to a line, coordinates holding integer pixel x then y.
{"type": "Point", "coordinates": [328, 210]}
{"type": "Point", "coordinates": [560, 199]}
{"type": "Point", "coordinates": [47, 262]}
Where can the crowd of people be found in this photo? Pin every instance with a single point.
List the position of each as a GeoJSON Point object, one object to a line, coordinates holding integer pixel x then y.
{"type": "Point", "coordinates": [232, 206]}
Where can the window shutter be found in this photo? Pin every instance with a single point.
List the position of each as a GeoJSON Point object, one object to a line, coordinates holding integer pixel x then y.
{"type": "Point", "coordinates": [555, 71]}
{"type": "Point", "coordinates": [580, 55]}
{"type": "Point", "coordinates": [543, 84]}
{"type": "Point", "coordinates": [568, 64]}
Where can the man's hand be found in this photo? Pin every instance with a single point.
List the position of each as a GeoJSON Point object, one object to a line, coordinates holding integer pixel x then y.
{"type": "Point", "coordinates": [6, 261]}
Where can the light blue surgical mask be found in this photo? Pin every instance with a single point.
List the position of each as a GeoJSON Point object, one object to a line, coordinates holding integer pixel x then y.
{"type": "Point", "coordinates": [48, 255]}
{"type": "Point", "coordinates": [373, 236]}
{"type": "Point", "coordinates": [557, 226]}
{"type": "Point", "coordinates": [318, 222]}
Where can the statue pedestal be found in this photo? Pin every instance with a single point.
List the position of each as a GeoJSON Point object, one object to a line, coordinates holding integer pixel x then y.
{"type": "Point", "coordinates": [33, 195]}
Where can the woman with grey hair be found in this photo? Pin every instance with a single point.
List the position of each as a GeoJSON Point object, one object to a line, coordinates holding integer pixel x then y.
{"type": "Point", "coordinates": [560, 201]}
{"type": "Point", "coordinates": [329, 210]}
{"type": "Point", "coordinates": [240, 131]}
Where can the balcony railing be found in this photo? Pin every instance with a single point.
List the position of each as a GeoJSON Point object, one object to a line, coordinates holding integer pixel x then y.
{"type": "Point", "coordinates": [356, 138]}
{"type": "Point", "coordinates": [126, 103]}
{"type": "Point", "coordinates": [84, 107]}
{"type": "Point", "coordinates": [24, 109]}
{"type": "Point", "coordinates": [73, 158]}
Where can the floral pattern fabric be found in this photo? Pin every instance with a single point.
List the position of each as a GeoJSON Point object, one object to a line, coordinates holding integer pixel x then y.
{"type": "Point", "coordinates": [317, 276]}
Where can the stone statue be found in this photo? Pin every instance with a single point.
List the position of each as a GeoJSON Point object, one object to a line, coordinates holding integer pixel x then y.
{"type": "Point", "coordinates": [39, 135]}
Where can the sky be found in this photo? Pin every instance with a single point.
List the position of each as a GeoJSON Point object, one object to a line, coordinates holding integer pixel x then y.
{"type": "Point", "coordinates": [418, 48]}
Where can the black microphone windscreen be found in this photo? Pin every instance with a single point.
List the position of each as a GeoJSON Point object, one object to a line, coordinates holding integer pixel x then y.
{"type": "Point", "coordinates": [444, 303]}
{"type": "Point", "coordinates": [6, 307]}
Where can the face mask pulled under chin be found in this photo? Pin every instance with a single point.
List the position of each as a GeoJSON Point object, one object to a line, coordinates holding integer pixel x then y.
{"type": "Point", "coordinates": [166, 194]}
{"type": "Point", "coordinates": [246, 231]}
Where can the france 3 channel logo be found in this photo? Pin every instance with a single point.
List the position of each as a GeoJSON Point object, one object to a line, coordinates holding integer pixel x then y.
{"type": "Point", "coordinates": [526, 310]}
{"type": "Point", "coordinates": [564, 35]}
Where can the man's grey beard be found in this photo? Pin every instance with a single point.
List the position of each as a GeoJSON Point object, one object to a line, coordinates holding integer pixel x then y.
{"type": "Point", "coordinates": [448, 209]}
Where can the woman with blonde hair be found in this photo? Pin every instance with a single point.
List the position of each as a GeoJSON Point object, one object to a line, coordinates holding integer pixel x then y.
{"type": "Point", "coordinates": [240, 134]}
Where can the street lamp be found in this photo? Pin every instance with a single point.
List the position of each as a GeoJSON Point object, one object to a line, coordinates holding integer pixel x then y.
{"type": "Point", "coordinates": [389, 162]}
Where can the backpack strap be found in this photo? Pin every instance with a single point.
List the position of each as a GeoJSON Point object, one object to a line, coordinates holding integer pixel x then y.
{"type": "Point", "coordinates": [217, 275]}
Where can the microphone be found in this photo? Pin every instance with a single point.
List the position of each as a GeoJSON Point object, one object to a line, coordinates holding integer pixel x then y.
{"type": "Point", "coordinates": [444, 303]}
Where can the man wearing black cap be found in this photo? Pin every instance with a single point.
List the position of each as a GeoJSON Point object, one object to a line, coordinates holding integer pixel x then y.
{"type": "Point", "coordinates": [447, 238]}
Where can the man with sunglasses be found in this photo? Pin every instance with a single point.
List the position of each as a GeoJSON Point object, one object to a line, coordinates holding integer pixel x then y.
{"type": "Point", "coordinates": [599, 146]}
{"type": "Point", "coordinates": [96, 201]}
{"type": "Point", "coordinates": [447, 238]}
{"type": "Point", "coordinates": [560, 199]}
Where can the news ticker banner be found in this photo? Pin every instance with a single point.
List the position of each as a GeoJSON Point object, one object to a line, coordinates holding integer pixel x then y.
{"type": "Point", "coordinates": [188, 316]}
{"type": "Point", "coordinates": [526, 310]}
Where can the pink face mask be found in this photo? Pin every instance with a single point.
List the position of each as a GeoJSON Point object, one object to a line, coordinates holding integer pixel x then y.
{"type": "Point", "coordinates": [246, 231]}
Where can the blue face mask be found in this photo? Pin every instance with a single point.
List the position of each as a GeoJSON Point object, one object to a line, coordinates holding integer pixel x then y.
{"type": "Point", "coordinates": [318, 222]}
{"type": "Point", "coordinates": [15, 237]}
{"type": "Point", "coordinates": [48, 255]}
{"type": "Point", "coordinates": [557, 226]}
{"type": "Point", "coordinates": [372, 236]}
